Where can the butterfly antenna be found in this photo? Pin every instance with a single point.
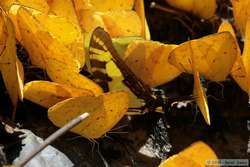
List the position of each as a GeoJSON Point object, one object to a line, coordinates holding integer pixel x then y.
{"type": "Point", "coordinates": [182, 98]}
{"type": "Point", "coordinates": [119, 127]}
{"type": "Point", "coordinates": [118, 130]}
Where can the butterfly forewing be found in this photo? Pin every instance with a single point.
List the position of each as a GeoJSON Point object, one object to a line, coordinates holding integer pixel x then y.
{"type": "Point", "coordinates": [101, 43]}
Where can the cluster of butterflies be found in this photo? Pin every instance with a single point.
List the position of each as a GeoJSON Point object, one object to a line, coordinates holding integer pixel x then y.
{"type": "Point", "coordinates": [151, 99]}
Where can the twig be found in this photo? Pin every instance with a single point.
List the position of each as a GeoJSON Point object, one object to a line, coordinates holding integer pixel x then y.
{"type": "Point", "coordinates": [179, 15]}
{"type": "Point", "coordinates": [53, 137]}
{"type": "Point", "coordinates": [168, 10]}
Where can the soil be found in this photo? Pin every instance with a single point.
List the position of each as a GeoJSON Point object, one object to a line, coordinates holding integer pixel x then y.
{"type": "Point", "coordinates": [169, 133]}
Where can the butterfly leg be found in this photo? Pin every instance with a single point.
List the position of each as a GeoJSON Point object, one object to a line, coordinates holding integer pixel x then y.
{"type": "Point", "coordinates": [136, 111]}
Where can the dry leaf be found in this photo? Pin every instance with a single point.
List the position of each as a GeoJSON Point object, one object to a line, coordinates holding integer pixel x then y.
{"type": "Point", "coordinates": [105, 111]}
{"type": "Point", "coordinates": [214, 54]}
{"type": "Point", "coordinates": [47, 93]}
{"type": "Point", "coordinates": [196, 155]}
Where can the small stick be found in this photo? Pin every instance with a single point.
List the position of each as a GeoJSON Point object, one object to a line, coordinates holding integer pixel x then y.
{"type": "Point", "coordinates": [52, 137]}
{"type": "Point", "coordinates": [159, 7]}
{"type": "Point", "coordinates": [179, 14]}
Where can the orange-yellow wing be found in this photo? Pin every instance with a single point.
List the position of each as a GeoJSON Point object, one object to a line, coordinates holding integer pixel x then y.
{"type": "Point", "coordinates": [119, 23]}
{"type": "Point", "coordinates": [105, 111]}
{"type": "Point", "coordinates": [47, 93]}
{"type": "Point", "coordinates": [28, 27]}
{"type": "Point", "coordinates": [214, 54]}
{"type": "Point", "coordinates": [198, 91]}
{"type": "Point", "coordinates": [241, 14]}
{"type": "Point", "coordinates": [3, 32]}
{"type": "Point", "coordinates": [63, 8]}
{"type": "Point", "coordinates": [149, 61]}
{"type": "Point", "coordinates": [70, 35]}
{"type": "Point", "coordinates": [12, 6]}
{"type": "Point", "coordinates": [87, 16]}
{"type": "Point", "coordinates": [139, 8]}
{"type": "Point", "coordinates": [205, 10]}
{"type": "Point", "coordinates": [53, 49]}
{"type": "Point", "coordinates": [20, 76]}
{"type": "Point", "coordinates": [8, 61]}
{"type": "Point", "coordinates": [196, 155]}
{"type": "Point", "coordinates": [122, 23]}
{"type": "Point", "coordinates": [60, 73]}
{"type": "Point", "coordinates": [200, 97]}
{"type": "Point", "coordinates": [238, 71]}
{"type": "Point", "coordinates": [41, 45]}
{"type": "Point", "coordinates": [107, 5]}
{"type": "Point", "coordinates": [67, 42]}
{"type": "Point", "coordinates": [40, 5]}
{"type": "Point", "coordinates": [246, 53]}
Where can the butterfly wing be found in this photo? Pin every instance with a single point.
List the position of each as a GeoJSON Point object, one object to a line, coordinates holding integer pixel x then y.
{"type": "Point", "coordinates": [101, 40]}
{"type": "Point", "coordinates": [100, 43]}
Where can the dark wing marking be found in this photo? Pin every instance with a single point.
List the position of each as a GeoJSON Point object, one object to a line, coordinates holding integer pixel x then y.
{"type": "Point", "coordinates": [98, 67]}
